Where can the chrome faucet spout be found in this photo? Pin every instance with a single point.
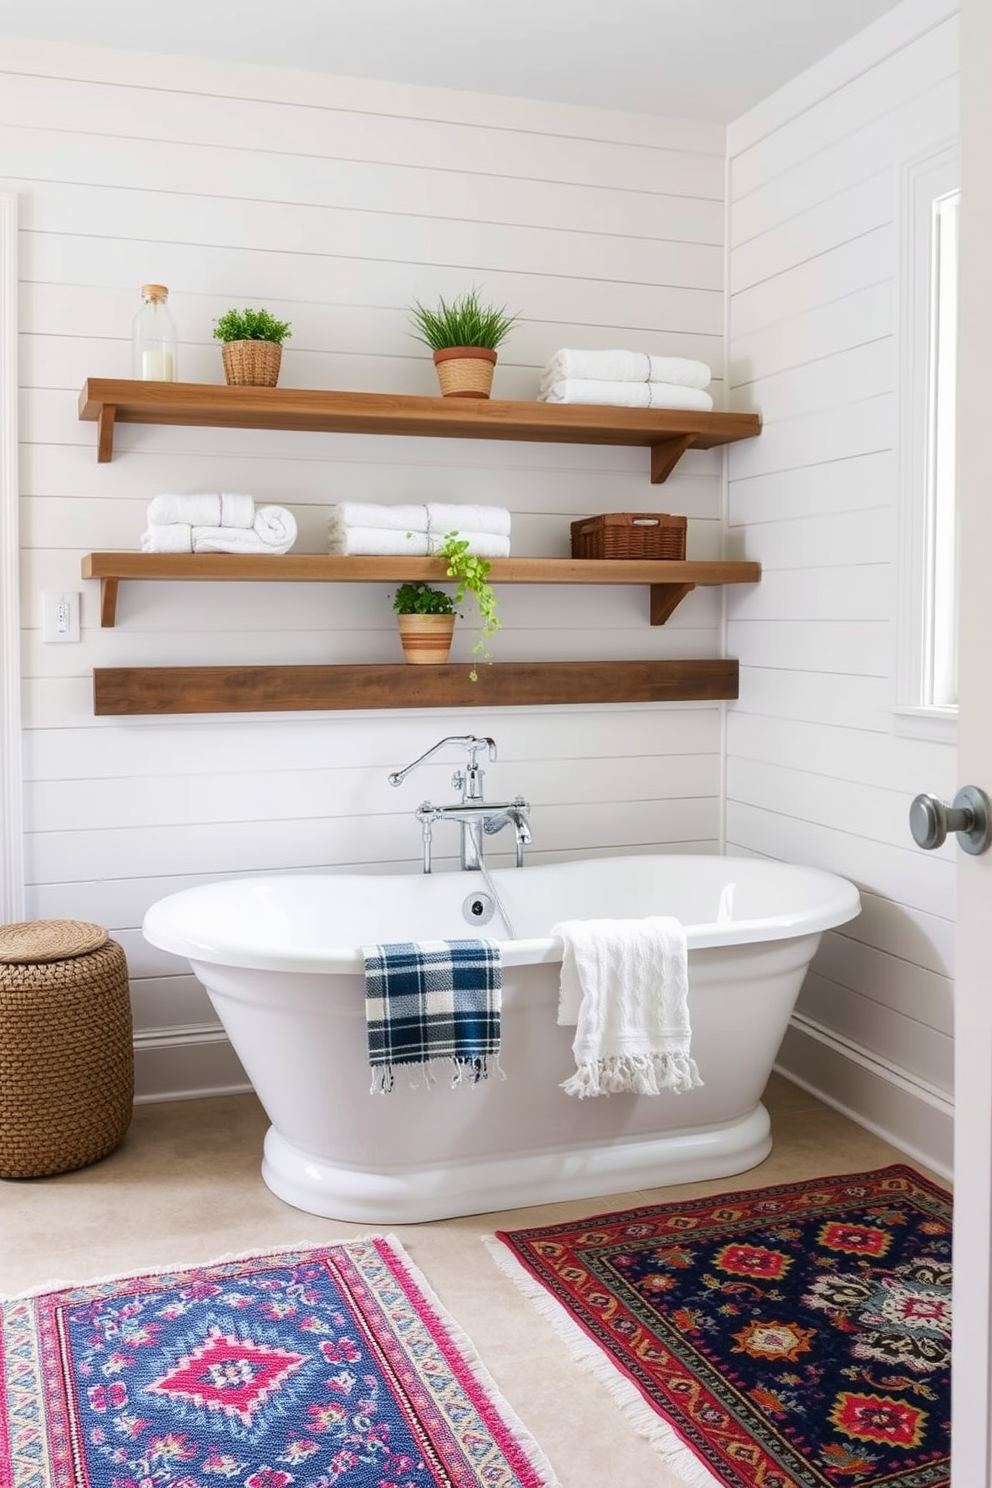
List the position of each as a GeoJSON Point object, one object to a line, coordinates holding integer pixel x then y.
{"type": "Point", "coordinates": [467, 741]}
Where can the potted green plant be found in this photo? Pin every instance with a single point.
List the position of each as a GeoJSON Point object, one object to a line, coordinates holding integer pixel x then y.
{"type": "Point", "coordinates": [426, 616]}
{"type": "Point", "coordinates": [426, 620]}
{"type": "Point", "coordinates": [252, 347]}
{"type": "Point", "coordinates": [463, 335]}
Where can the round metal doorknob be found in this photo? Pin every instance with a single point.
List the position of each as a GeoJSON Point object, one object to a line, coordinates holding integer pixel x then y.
{"type": "Point", "coordinates": [969, 815]}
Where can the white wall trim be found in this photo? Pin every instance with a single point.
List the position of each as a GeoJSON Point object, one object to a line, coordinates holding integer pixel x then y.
{"type": "Point", "coordinates": [896, 1105]}
{"type": "Point", "coordinates": [11, 772]}
{"type": "Point", "coordinates": [188, 1062]}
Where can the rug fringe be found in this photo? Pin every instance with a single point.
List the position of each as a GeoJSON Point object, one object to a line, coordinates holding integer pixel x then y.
{"type": "Point", "coordinates": [589, 1356]}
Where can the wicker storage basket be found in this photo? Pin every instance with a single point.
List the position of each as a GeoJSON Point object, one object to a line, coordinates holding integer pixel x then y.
{"type": "Point", "coordinates": [66, 1053]}
{"type": "Point", "coordinates": [252, 363]}
{"type": "Point", "coordinates": [629, 535]}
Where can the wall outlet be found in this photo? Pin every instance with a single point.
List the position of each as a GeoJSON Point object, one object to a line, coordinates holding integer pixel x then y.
{"type": "Point", "coordinates": [59, 616]}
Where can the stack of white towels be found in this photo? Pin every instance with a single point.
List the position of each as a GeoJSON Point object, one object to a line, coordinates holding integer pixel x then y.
{"type": "Point", "coordinates": [356, 527]}
{"type": "Point", "coordinates": [217, 522]}
{"type": "Point", "coordinates": [628, 379]}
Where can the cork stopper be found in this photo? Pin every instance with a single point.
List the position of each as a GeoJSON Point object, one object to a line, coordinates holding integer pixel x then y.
{"type": "Point", "coordinates": [155, 291]}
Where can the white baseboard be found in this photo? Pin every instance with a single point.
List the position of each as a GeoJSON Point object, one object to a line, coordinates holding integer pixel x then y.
{"type": "Point", "coordinates": [184, 1064]}
{"type": "Point", "coordinates": [894, 1104]}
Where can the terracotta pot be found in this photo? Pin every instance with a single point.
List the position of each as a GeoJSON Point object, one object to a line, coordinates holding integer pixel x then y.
{"type": "Point", "coordinates": [252, 363]}
{"type": "Point", "coordinates": [465, 371]}
{"type": "Point", "coordinates": [426, 639]}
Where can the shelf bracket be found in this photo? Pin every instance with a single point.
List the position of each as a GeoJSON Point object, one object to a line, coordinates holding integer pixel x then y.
{"type": "Point", "coordinates": [665, 600]}
{"type": "Point", "coordinates": [105, 433]}
{"type": "Point", "coordinates": [666, 455]}
{"type": "Point", "coordinates": [108, 602]}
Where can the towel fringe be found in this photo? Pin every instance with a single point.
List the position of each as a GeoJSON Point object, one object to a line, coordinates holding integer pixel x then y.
{"type": "Point", "coordinates": [423, 1073]}
{"type": "Point", "coordinates": [634, 1074]}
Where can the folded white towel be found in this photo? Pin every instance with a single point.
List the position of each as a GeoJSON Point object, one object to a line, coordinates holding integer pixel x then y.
{"type": "Point", "coordinates": [445, 517]}
{"type": "Point", "coordinates": [404, 518]}
{"type": "Point", "coordinates": [167, 537]}
{"type": "Point", "coordinates": [274, 531]}
{"type": "Point", "coordinates": [369, 541]}
{"type": "Point", "coordinates": [208, 509]}
{"type": "Point", "coordinates": [625, 366]}
{"type": "Point", "coordinates": [627, 394]}
{"type": "Point", "coordinates": [625, 985]}
{"type": "Point", "coordinates": [482, 544]}
{"type": "Point", "coordinates": [379, 541]}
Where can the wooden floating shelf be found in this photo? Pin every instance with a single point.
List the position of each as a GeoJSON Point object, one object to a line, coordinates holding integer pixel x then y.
{"type": "Point", "coordinates": [666, 432]}
{"type": "Point", "coordinates": [668, 581]}
{"type": "Point", "coordinates": [121, 691]}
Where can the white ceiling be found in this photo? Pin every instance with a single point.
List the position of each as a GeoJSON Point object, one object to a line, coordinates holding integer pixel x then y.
{"type": "Point", "coordinates": [693, 59]}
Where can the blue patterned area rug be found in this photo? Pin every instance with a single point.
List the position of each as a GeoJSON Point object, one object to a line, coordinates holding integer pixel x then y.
{"type": "Point", "coordinates": [333, 1367]}
{"type": "Point", "coordinates": [787, 1337]}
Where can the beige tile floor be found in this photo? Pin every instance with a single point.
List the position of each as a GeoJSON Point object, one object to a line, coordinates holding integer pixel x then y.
{"type": "Point", "coordinates": [185, 1188]}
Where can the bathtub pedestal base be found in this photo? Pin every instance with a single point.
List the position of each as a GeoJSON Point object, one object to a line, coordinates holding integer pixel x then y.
{"type": "Point", "coordinates": [415, 1195]}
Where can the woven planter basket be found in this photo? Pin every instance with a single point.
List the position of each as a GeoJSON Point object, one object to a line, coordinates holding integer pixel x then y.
{"type": "Point", "coordinates": [66, 1052]}
{"type": "Point", "coordinates": [465, 371]}
{"type": "Point", "coordinates": [252, 363]}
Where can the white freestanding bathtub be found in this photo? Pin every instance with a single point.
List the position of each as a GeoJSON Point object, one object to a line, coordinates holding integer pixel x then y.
{"type": "Point", "coordinates": [280, 958]}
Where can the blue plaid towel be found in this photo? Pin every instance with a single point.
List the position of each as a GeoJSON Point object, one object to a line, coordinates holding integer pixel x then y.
{"type": "Point", "coordinates": [432, 999]}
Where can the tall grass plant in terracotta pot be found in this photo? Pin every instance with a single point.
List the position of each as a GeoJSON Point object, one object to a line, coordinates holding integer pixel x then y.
{"type": "Point", "coordinates": [463, 336]}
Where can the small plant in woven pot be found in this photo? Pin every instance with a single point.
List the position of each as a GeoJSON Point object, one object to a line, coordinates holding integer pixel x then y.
{"type": "Point", "coordinates": [252, 347]}
{"type": "Point", "coordinates": [463, 334]}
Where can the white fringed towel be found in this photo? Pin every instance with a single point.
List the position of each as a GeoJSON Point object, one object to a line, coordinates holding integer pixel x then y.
{"type": "Point", "coordinates": [627, 394]}
{"type": "Point", "coordinates": [207, 509]}
{"type": "Point", "coordinates": [625, 987]}
{"type": "Point", "coordinates": [625, 366]}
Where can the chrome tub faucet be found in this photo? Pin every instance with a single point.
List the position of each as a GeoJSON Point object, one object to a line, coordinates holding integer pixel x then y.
{"type": "Point", "coordinates": [476, 816]}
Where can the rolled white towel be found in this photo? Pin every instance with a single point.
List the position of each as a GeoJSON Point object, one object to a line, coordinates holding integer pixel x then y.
{"type": "Point", "coordinates": [403, 518]}
{"type": "Point", "coordinates": [444, 516]}
{"type": "Point", "coordinates": [482, 544]}
{"type": "Point", "coordinates": [274, 532]}
{"type": "Point", "coordinates": [628, 394]}
{"type": "Point", "coordinates": [625, 366]}
{"type": "Point", "coordinates": [208, 509]}
{"type": "Point", "coordinates": [167, 537]}
{"type": "Point", "coordinates": [373, 541]}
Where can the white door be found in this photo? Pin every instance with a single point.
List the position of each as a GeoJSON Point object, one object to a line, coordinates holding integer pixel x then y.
{"type": "Point", "coordinates": [972, 1362]}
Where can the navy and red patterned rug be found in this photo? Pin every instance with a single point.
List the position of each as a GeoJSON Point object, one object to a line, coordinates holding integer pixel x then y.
{"type": "Point", "coordinates": [788, 1337]}
{"type": "Point", "coordinates": [322, 1368]}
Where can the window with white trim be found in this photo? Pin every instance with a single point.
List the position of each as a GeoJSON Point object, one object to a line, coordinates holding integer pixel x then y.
{"type": "Point", "coordinates": [926, 703]}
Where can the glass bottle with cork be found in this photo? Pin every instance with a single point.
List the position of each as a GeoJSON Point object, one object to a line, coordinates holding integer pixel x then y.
{"type": "Point", "coordinates": [154, 337]}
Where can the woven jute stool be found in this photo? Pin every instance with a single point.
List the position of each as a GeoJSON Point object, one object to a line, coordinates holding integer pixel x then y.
{"type": "Point", "coordinates": [66, 1055]}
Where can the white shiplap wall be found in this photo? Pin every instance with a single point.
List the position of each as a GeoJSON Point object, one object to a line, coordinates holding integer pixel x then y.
{"type": "Point", "coordinates": [816, 770]}
{"type": "Point", "coordinates": [335, 203]}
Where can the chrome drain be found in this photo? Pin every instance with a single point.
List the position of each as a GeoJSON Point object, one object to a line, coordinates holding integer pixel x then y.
{"type": "Point", "coordinates": [478, 909]}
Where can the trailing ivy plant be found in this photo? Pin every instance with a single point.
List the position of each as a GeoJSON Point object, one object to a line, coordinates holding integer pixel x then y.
{"type": "Point", "coordinates": [251, 325]}
{"type": "Point", "coordinates": [472, 575]}
{"type": "Point", "coordinates": [466, 321]}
